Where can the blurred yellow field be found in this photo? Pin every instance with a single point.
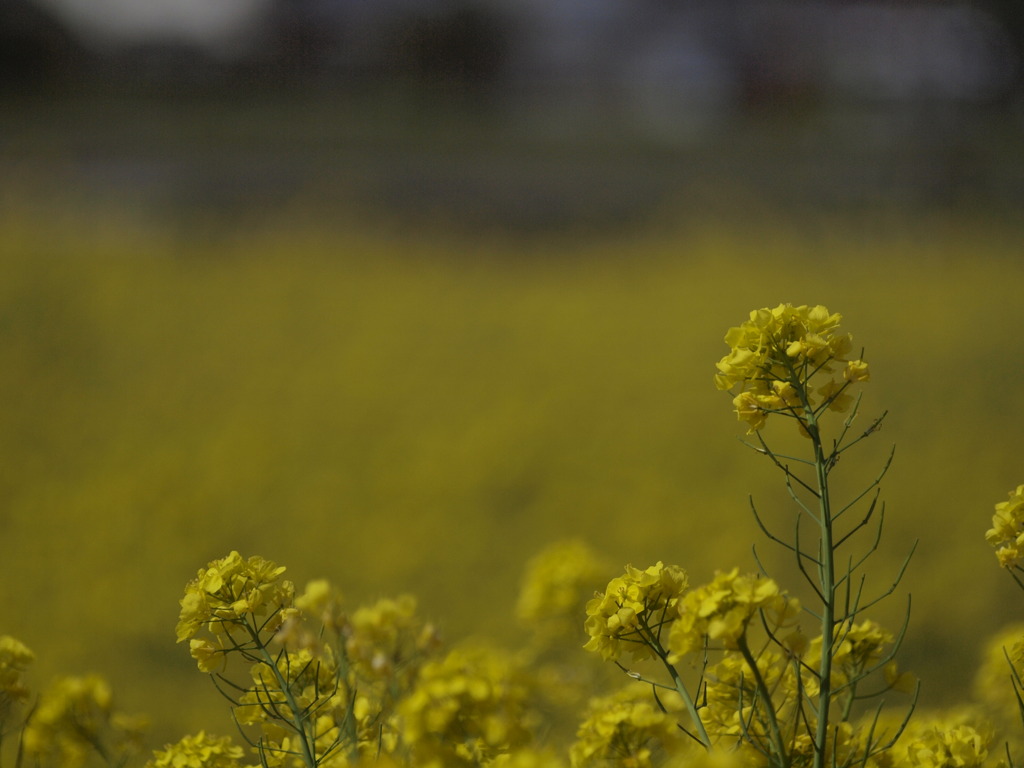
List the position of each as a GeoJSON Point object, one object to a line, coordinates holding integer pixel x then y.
{"type": "Point", "coordinates": [422, 412]}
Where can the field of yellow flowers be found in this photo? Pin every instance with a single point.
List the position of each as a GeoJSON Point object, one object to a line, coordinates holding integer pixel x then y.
{"type": "Point", "coordinates": [423, 412]}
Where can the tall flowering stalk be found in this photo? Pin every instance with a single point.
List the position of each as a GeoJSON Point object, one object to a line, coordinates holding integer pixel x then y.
{"type": "Point", "coordinates": [296, 696]}
{"type": "Point", "coordinates": [792, 362]}
{"type": "Point", "coordinates": [762, 686]}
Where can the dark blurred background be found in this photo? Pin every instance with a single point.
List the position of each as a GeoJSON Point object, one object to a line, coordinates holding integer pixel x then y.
{"type": "Point", "coordinates": [519, 114]}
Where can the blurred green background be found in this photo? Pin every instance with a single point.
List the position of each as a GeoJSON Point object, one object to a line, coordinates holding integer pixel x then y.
{"type": "Point", "coordinates": [403, 333]}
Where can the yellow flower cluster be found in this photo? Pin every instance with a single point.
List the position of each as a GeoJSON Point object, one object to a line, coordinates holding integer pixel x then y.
{"type": "Point", "coordinates": [198, 751]}
{"type": "Point", "coordinates": [1007, 531]}
{"type": "Point", "coordinates": [466, 708]}
{"type": "Point", "coordinates": [14, 660]}
{"type": "Point", "coordinates": [962, 746]}
{"type": "Point", "coordinates": [857, 648]}
{"type": "Point", "coordinates": [844, 745]}
{"type": "Point", "coordinates": [75, 718]}
{"type": "Point", "coordinates": [624, 730]}
{"type": "Point", "coordinates": [233, 591]}
{"type": "Point", "coordinates": [307, 678]}
{"type": "Point", "coordinates": [735, 711]}
{"type": "Point", "coordinates": [953, 740]}
{"type": "Point", "coordinates": [1002, 661]}
{"type": "Point", "coordinates": [324, 685]}
{"type": "Point", "coordinates": [720, 611]}
{"type": "Point", "coordinates": [633, 608]}
{"type": "Point", "coordinates": [754, 697]}
{"type": "Point", "coordinates": [388, 640]}
{"type": "Point", "coordinates": [322, 601]}
{"type": "Point", "coordinates": [774, 356]}
{"type": "Point", "coordinates": [554, 586]}
{"type": "Point", "coordinates": [730, 714]}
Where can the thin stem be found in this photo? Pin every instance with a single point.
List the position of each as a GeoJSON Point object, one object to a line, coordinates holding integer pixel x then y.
{"type": "Point", "coordinates": [298, 714]}
{"type": "Point", "coordinates": [691, 708]}
{"type": "Point", "coordinates": [782, 759]}
{"type": "Point", "coordinates": [826, 582]}
{"type": "Point", "coordinates": [680, 687]}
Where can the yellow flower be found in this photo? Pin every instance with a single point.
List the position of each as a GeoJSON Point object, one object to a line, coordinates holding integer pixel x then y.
{"type": "Point", "coordinates": [774, 356]}
{"type": "Point", "coordinates": [321, 599]}
{"type": "Point", "coordinates": [625, 730]}
{"type": "Point", "coordinates": [857, 370]}
{"type": "Point", "coordinates": [388, 640]}
{"type": "Point", "coordinates": [856, 648]}
{"type": "Point", "coordinates": [1002, 659]}
{"type": "Point", "coordinates": [632, 608]}
{"type": "Point", "coordinates": [307, 677]}
{"type": "Point", "coordinates": [1007, 531]}
{"type": "Point", "coordinates": [835, 395]}
{"type": "Point", "coordinates": [752, 409]}
{"type": "Point", "coordinates": [958, 740]}
{"type": "Point", "coordinates": [732, 696]}
{"type": "Point", "coordinates": [75, 717]}
{"type": "Point", "coordinates": [208, 656]}
{"type": "Point", "coordinates": [198, 751]}
{"type": "Point", "coordinates": [14, 660]}
{"type": "Point", "coordinates": [231, 591]}
{"type": "Point", "coordinates": [720, 612]}
{"type": "Point", "coordinates": [466, 708]}
{"type": "Point", "coordinates": [554, 584]}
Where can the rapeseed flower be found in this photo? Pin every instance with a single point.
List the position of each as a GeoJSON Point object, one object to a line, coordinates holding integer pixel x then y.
{"type": "Point", "coordinates": [322, 601]}
{"type": "Point", "coordinates": [554, 585]}
{"type": "Point", "coordinates": [209, 656]}
{"type": "Point", "coordinates": [774, 356]}
{"type": "Point", "coordinates": [958, 739]}
{"type": "Point", "coordinates": [962, 746]}
{"type": "Point", "coordinates": [1007, 531]}
{"type": "Point", "coordinates": [843, 745]}
{"type": "Point", "coordinates": [997, 681]}
{"type": "Point", "coordinates": [234, 591]}
{"type": "Point", "coordinates": [308, 679]}
{"type": "Point", "coordinates": [632, 610]}
{"type": "Point", "coordinates": [624, 730]}
{"type": "Point", "coordinates": [14, 660]}
{"type": "Point", "coordinates": [466, 708]}
{"type": "Point", "coordinates": [735, 711]}
{"type": "Point", "coordinates": [198, 751]}
{"type": "Point", "coordinates": [719, 612]}
{"type": "Point", "coordinates": [857, 649]}
{"type": "Point", "coordinates": [75, 718]}
{"type": "Point", "coordinates": [388, 640]}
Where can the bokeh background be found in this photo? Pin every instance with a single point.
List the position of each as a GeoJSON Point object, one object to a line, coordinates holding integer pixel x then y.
{"type": "Point", "coordinates": [399, 293]}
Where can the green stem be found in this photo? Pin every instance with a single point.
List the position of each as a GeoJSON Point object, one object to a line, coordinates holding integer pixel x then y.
{"type": "Point", "coordinates": [688, 701]}
{"type": "Point", "coordinates": [848, 701]}
{"type": "Point", "coordinates": [769, 706]}
{"type": "Point", "coordinates": [299, 719]}
{"type": "Point", "coordinates": [826, 575]}
{"type": "Point", "coordinates": [677, 682]}
{"type": "Point", "coordinates": [800, 376]}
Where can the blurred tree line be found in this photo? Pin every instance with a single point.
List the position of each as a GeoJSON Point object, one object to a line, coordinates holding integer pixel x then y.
{"type": "Point", "coordinates": [817, 101]}
{"type": "Point", "coordinates": [710, 52]}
